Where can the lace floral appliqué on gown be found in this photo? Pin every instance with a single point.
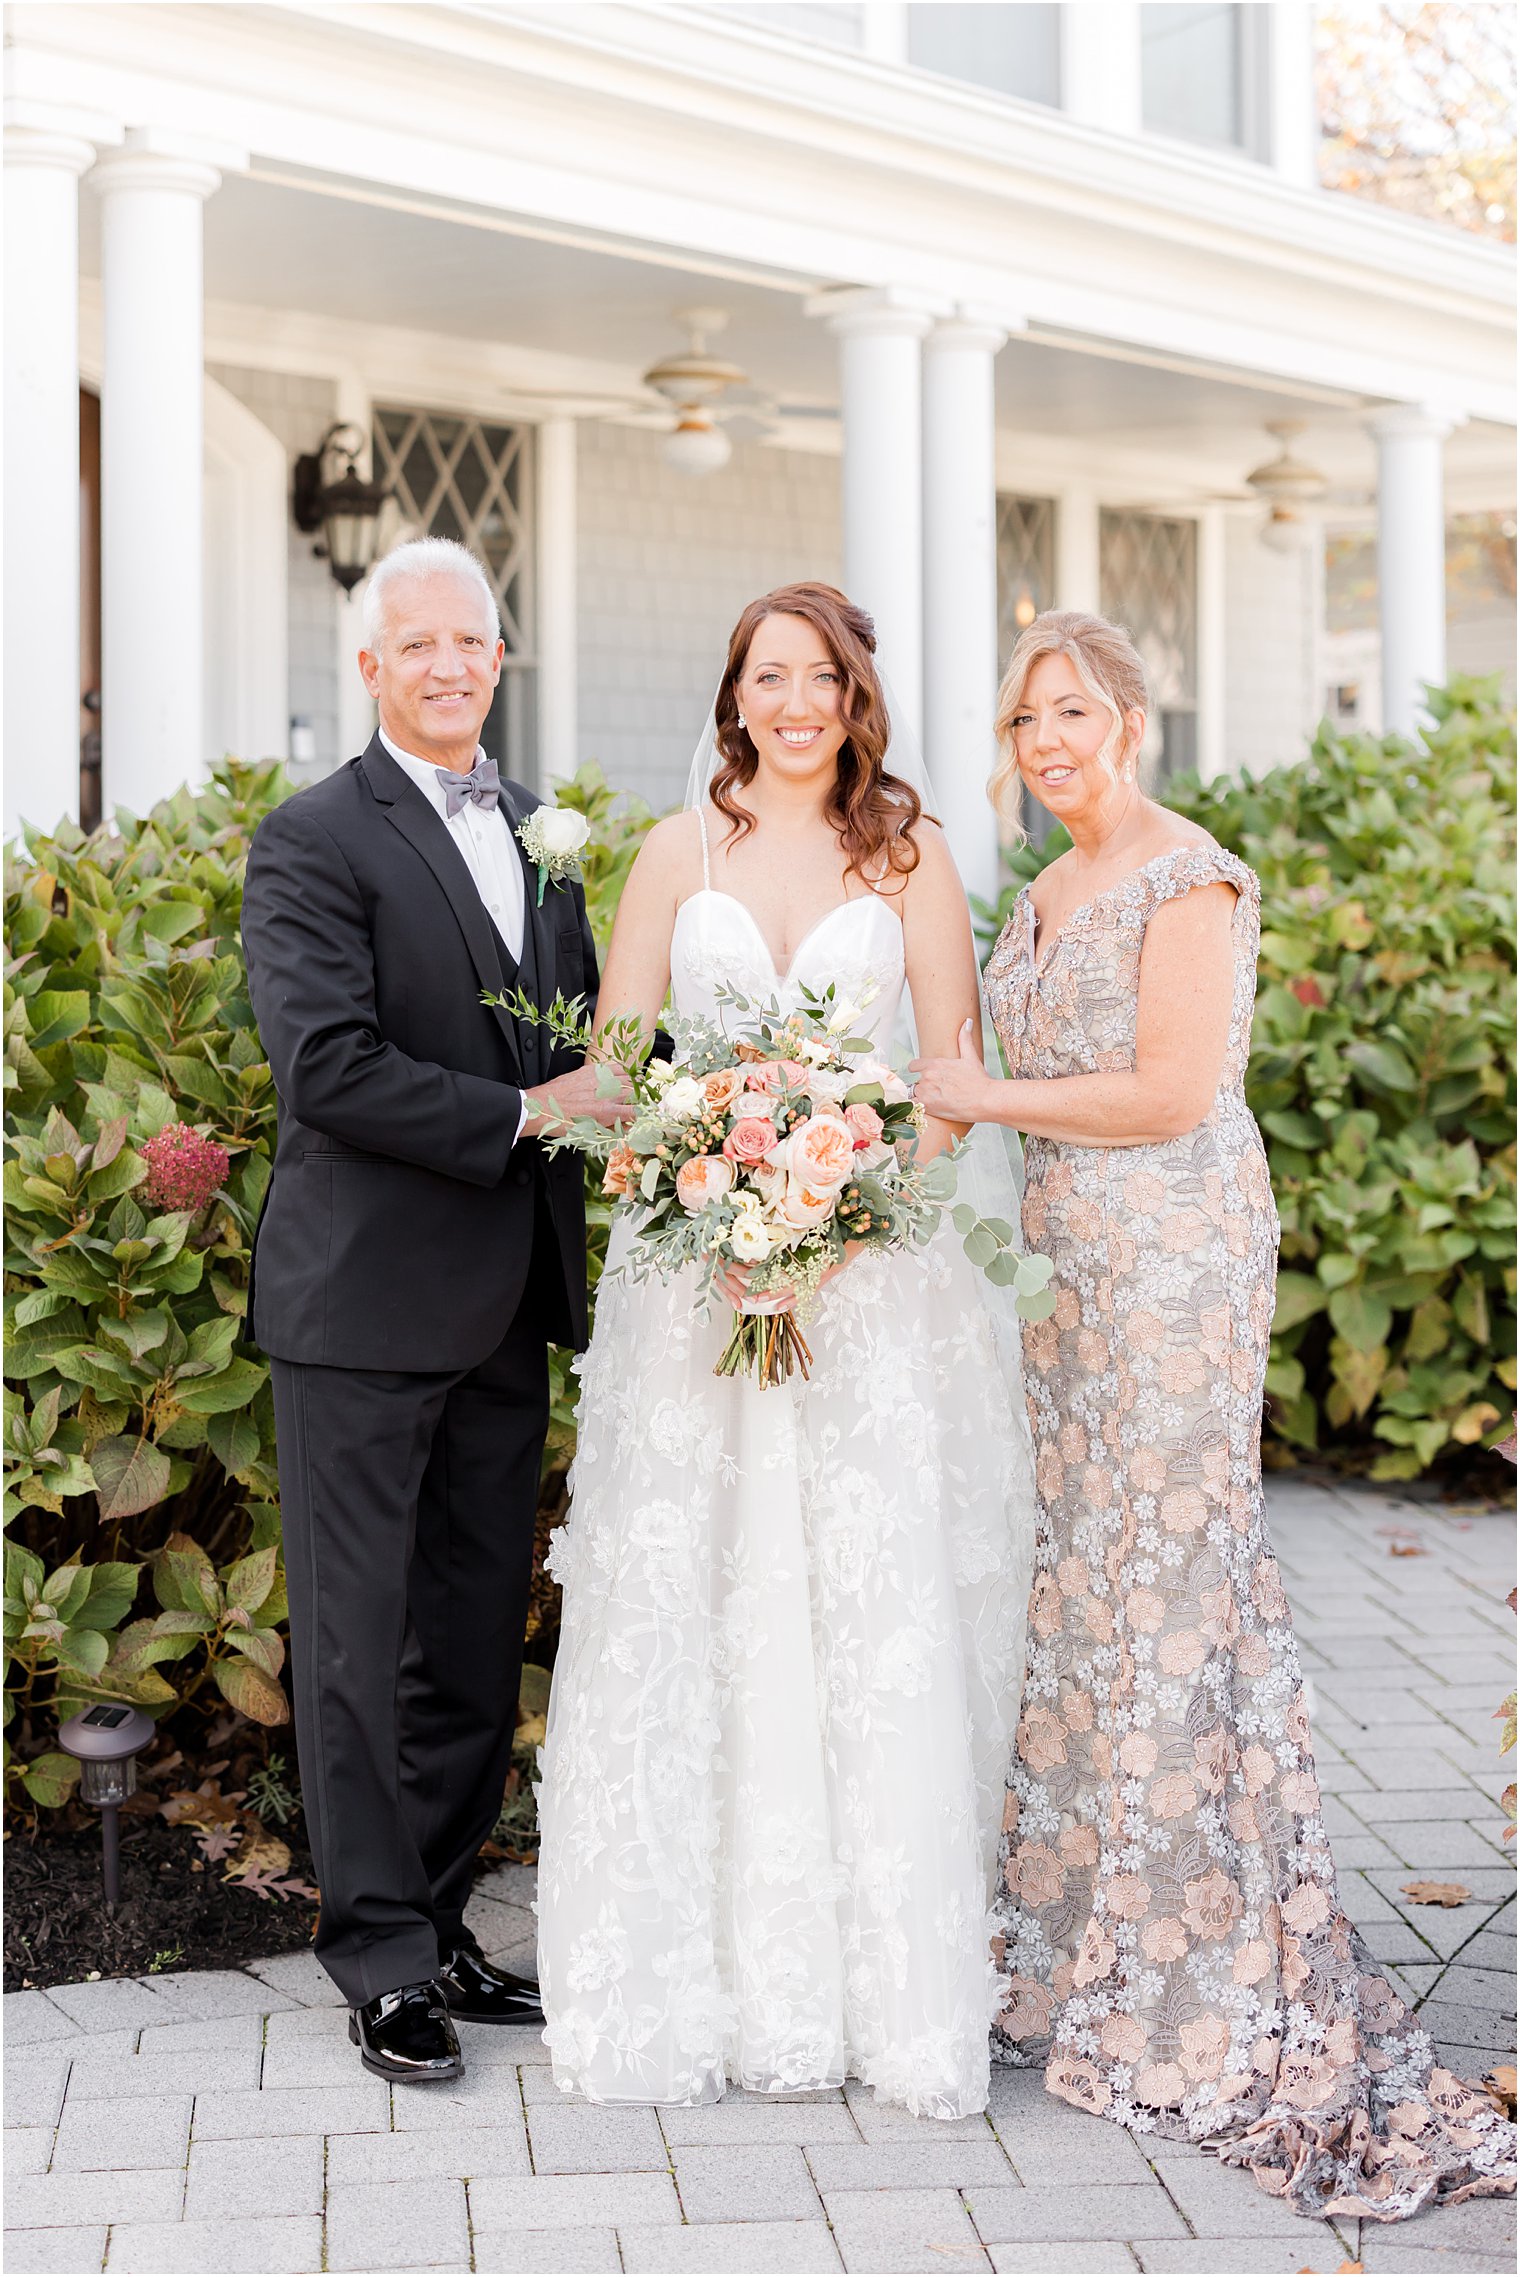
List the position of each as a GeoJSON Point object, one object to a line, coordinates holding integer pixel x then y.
{"type": "Point", "coordinates": [1175, 1952]}
{"type": "Point", "coordinates": [790, 1660]}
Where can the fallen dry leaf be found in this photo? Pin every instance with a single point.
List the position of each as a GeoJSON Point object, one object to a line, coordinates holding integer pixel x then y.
{"type": "Point", "coordinates": [1500, 2083]}
{"type": "Point", "coordinates": [1437, 1893]}
{"type": "Point", "coordinates": [1406, 1550]}
{"type": "Point", "coordinates": [205, 1807]}
{"type": "Point", "coordinates": [261, 1854]}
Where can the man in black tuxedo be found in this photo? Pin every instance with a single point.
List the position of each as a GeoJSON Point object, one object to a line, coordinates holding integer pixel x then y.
{"type": "Point", "coordinates": [417, 1251]}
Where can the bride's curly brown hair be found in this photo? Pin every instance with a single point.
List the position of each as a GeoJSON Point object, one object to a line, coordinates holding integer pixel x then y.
{"type": "Point", "coordinates": [873, 812]}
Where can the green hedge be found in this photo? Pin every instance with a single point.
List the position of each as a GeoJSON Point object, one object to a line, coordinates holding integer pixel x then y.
{"type": "Point", "coordinates": [1383, 1076]}
{"type": "Point", "coordinates": [142, 1551]}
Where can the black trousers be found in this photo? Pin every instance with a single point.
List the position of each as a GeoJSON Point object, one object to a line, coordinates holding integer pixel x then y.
{"type": "Point", "coordinates": [408, 1503]}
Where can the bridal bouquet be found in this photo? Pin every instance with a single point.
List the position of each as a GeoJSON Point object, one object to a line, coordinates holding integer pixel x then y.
{"type": "Point", "coordinates": [774, 1144]}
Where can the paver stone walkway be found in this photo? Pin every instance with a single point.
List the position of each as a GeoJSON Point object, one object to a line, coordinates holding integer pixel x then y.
{"type": "Point", "coordinates": [219, 2121]}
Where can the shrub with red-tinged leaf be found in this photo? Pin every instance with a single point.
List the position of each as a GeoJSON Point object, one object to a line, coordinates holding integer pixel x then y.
{"type": "Point", "coordinates": [184, 1169]}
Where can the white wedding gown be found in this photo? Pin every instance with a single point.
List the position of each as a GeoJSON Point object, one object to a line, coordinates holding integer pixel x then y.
{"type": "Point", "coordinates": [791, 1658]}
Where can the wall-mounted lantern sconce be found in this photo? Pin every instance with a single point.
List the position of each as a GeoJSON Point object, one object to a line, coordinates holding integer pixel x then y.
{"type": "Point", "coordinates": [344, 507]}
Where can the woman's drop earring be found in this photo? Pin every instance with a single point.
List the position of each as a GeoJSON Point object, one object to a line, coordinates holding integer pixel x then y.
{"type": "Point", "coordinates": [743, 722]}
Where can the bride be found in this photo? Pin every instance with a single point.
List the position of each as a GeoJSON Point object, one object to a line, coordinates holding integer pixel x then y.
{"type": "Point", "coordinates": [793, 1620]}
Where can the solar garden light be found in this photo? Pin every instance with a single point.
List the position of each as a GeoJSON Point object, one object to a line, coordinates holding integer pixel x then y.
{"type": "Point", "coordinates": [105, 1741]}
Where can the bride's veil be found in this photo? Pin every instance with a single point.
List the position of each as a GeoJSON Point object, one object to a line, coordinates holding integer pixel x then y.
{"type": "Point", "coordinates": [991, 1165]}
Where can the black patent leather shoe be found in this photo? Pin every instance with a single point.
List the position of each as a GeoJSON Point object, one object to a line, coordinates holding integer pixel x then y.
{"type": "Point", "coordinates": [479, 1993]}
{"type": "Point", "coordinates": [406, 2035]}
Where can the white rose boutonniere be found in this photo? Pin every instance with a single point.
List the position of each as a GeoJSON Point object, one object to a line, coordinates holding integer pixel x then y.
{"type": "Point", "coordinates": [552, 837]}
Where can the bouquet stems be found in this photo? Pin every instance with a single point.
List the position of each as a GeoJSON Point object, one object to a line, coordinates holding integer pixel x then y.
{"type": "Point", "coordinates": [767, 1345]}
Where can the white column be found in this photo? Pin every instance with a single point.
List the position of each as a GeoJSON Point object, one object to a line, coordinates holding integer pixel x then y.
{"type": "Point", "coordinates": [1292, 105]}
{"type": "Point", "coordinates": [881, 401]}
{"type": "Point", "coordinates": [557, 659]}
{"type": "Point", "coordinates": [1078, 583]}
{"type": "Point", "coordinates": [1411, 551]}
{"type": "Point", "coordinates": [960, 589]}
{"type": "Point", "coordinates": [42, 717]}
{"type": "Point", "coordinates": [151, 470]}
{"type": "Point", "coordinates": [884, 30]}
{"type": "Point", "coordinates": [1100, 64]}
{"type": "Point", "coordinates": [1213, 758]}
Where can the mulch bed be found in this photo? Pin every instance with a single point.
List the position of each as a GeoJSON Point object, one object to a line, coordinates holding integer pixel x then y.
{"type": "Point", "coordinates": [176, 1911]}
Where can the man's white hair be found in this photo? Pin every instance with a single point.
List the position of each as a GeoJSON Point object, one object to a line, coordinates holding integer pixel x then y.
{"type": "Point", "coordinates": [421, 557]}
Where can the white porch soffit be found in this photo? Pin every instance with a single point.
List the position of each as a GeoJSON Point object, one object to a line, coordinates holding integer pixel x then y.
{"type": "Point", "coordinates": [666, 136]}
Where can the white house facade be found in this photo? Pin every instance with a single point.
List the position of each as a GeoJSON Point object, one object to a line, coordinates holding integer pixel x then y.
{"type": "Point", "coordinates": [1015, 300]}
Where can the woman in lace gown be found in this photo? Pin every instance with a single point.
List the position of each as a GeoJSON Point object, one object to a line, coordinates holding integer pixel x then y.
{"type": "Point", "coordinates": [792, 1634]}
{"type": "Point", "coordinates": [1174, 1950]}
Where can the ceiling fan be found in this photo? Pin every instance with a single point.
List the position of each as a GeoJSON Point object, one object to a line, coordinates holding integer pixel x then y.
{"type": "Point", "coordinates": [713, 400]}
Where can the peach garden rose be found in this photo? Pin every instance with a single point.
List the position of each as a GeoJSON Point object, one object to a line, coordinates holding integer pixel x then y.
{"type": "Point", "coordinates": [705, 1178]}
{"type": "Point", "coordinates": [821, 1153]}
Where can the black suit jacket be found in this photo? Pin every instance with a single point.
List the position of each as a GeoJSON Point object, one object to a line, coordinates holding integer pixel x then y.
{"type": "Point", "coordinates": [399, 1225]}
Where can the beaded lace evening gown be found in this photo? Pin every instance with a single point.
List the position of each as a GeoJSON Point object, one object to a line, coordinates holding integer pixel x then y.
{"type": "Point", "coordinates": [790, 1660]}
{"type": "Point", "coordinates": [1174, 1950]}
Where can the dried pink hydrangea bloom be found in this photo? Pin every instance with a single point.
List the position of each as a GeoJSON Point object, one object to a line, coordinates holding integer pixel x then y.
{"type": "Point", "coordinates": [184, 1169]}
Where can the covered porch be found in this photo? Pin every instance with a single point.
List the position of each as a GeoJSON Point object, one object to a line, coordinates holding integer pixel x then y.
{"type": "Point", "coordinates": [986, 373]}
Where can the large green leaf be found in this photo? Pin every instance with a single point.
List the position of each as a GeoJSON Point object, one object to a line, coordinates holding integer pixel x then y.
{"type": "Point", "coordinates": [234, 1387]}
{"type": "Point", "coordinates": [234, 1440]}
{"type": "Point", "coordinates": [249, 1581]}
{"type": "Point", "coordinates": [51, 1778]}
{"type": "Point", "coordinates": [131, 1475]}
{"type": "Point", "coordinates": [56, 1013]}
{"type": "Point", "coordinates": [84, 1649]}
{"type": "Point", "coordinates": [1299, 1297]}
{"type": "Point", "coordinates": [112, 1589]}
{"type": "Point", "coordinates": [1362, 1318]}
{"type": "Point", "coordinates": [252, 1691]}
{"type": "Point", "coordinates": [186, 1577]}
{"type": "Point", "coordinates": [262, 1646]}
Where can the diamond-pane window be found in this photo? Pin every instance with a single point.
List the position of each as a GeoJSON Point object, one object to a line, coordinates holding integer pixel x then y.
{"type": "Point", "coordinates": [470, 479]}
{"type": "Point", "coordinates": [1026, 555]}
{"type": "Point", "coordinates": [1148, 572]}
{"type": "Point", "coordinates": [1026, 585]}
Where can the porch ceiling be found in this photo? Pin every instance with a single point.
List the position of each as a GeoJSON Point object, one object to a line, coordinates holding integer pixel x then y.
{"type": "Point", "coordinates": [586, 319]}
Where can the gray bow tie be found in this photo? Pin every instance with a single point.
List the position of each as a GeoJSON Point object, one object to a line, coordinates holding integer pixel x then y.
{"type": "Point", "coordinates": [482, 785]}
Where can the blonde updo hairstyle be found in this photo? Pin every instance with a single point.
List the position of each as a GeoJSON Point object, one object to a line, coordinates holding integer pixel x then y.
{"type": "Point", "coordinates": [1106, 662]}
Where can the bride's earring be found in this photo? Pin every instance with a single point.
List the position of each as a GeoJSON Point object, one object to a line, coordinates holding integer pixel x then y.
{"type": "Point", "coordinates": [743, 722]}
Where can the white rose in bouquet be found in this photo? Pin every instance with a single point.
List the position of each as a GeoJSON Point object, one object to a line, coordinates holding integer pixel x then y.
{"type": "Point", "coordinates": [749, 1238]}
{"type": "Point", "coordinates": [768, 1180]}
{"type": "Point", "coordinates": [825, 1089]}
{"type": "Point", "coordinates": [877, 1071]}
{"type": "Point", "coordinates": [683, 1098]}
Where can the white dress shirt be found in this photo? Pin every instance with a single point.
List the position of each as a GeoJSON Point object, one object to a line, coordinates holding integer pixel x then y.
{"type": "Point", "coordinates": [484, 838]}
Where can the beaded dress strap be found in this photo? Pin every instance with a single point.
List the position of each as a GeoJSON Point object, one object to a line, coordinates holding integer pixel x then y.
{"type": "Point", "coordinates": [706, 864]}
